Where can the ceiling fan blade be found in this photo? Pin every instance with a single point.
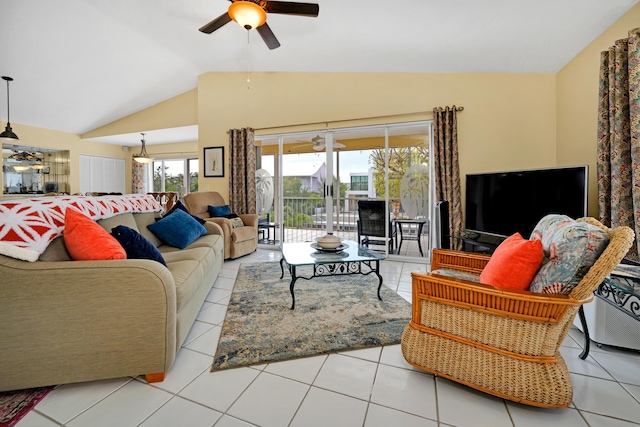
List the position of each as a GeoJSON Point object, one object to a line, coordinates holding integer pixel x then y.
{"type": "Point", "coordinates": [338, 145]}
{"type": "Point", "coordinates": [267, 35]}
{"type": "Point", "coordinates": [291, 8]}
{"type": "Point", "coordinates": [216, 23]}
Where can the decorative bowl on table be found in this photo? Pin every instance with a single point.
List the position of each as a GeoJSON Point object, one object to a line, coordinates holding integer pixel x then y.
{"type": "Point", "coordinates": [328, 241]}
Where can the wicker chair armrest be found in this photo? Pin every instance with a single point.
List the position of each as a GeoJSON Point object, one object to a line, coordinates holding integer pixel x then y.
{"type": "Point", "coordinates": [523, 305]}
{"type": "Point", "coordinates": [457, 260]}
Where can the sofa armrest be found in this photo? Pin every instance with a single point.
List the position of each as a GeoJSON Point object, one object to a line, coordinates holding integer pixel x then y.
{"type": "Point", "coordinates": [73, 321]}
{"type": "Point", "coordinates": [213, 228]}
{"type": "Point", "coordinates": [250, 220]}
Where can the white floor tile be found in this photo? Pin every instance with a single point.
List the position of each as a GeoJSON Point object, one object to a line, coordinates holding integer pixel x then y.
{"type": "Point", "coordinates": [34, 419]}
{"type": "Point", "coordinates": [227, 273]}
{"type": "Point", "coordinates": [604, 397]}
{"type": "Point", "coordinates": [322, 408]}
{"type": "Point", "coordinates": [227, 421]}
{"type": "Point", "coordinates": [181, 412]}
{"type": "Point", "coordinates": [270, 401]}
{"type": "Point", "coordinates": [405, 390]}
{"type": "Point", "coordinates": [379, 416]}
{"type": "Point", "coordinates": [224, 283]}
{"type": "Point", "coordinates": [634, 390]}
{"type": "Point", "coordinates": [600, 420]}
{"type": "Point", "coordinates": [304, 369]}
{"type": "Point", "coordinates": [219, 295]}
{"type": "Point", "coordinates": [477, 406]}
{"type": "Point", "coordinates": [347, 375]}
{"type": "Point", "coordinates": [530, 416]}
{"type": "Point", "coordinates": [128, 406]}
{"type": "Point", "coordinates": [197, 329]}
{"type": "Point", "coordinates": [624, 369]}
{"type": "Point", "coordinates": [392, 355]}
{"type": "Point", "coordinates": [207, 342]}
{"type": "Point", "coordinates": [218, 390]}
{"type": "Point", "coordinates": [214, 314]}
{"type": "Point", "coordinates": [589, 366]}
{"type": "Point", "coordinates": [372, 354]}
{"type": "Point", "coordinates": [69, 400]}
{"type": "Point", "coordinates": [187, 367]}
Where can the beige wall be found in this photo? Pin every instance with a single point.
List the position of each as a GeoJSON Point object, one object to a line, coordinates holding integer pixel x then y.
{"type": "Point", "coordinates": [508, 122]}
{"type": "Point", "coordinates": [577, 102]}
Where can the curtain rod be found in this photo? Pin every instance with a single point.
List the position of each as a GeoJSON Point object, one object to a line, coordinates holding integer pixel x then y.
{"type": "Point", "coordinates": [349, 120]}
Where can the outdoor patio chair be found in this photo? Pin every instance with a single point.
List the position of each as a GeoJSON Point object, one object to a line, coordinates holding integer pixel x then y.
{"type": "Point", "coordinates": [373, 218]}
{"type": "Point", "coordinates": [505, 342]}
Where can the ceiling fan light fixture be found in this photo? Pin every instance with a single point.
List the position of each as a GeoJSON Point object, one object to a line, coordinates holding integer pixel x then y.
{"type": "Point", "coordinates": [247, 14]}
{"type": "Point", "coordinates": [143, 157]}
{"type": "Point", "coordinates": [8, 134]}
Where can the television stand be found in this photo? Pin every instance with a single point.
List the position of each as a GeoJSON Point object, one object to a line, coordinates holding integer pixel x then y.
{"type": "Point", "coordinates": [480, 243]}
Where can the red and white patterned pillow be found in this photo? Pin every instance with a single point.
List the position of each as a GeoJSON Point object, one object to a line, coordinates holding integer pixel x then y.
{"type": "Point", "coordinates": [27, 226]}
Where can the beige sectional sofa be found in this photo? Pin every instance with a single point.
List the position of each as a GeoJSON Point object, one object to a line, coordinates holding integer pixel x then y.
{"type": "Point", "coordinates": [67, 321]}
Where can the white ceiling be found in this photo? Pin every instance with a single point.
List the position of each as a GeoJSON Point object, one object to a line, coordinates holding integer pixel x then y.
{"type": "Point", "coordinates": [80, 64]}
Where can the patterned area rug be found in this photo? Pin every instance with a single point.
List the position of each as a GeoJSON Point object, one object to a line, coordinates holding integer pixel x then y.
{"type": "Point", "coordinates": [16, 404]}
{"type": "Point", "coordinates": [332, 314]}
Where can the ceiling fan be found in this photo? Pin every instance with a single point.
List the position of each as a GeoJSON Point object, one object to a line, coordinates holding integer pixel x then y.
{"type": "Point", "coordinates": [253, 14]}
{"type": "Point", "coordinates": [319, 143]}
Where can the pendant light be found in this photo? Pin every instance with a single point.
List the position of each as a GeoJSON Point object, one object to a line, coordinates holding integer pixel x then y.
{"type": "Point", "coordinates": [143, 157]}
{"type": "Point", "coordinates": [8, 134]}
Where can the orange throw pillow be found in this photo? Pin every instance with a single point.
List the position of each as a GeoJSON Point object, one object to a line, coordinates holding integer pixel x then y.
{"type": "Point", "coordinates": [86, 240]}
{"type": "Point", "coordinates": [513, 264]}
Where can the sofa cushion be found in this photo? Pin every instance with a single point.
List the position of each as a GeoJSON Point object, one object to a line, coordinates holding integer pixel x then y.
{"type": "Point", "coordinates": [136, 245]}
{"type": "Point", "coordinates": [513, 264]}
{"type": "Point", "coordinates": [570, 249]}
{"type": "Point", "coordinates": [182, 207]}
{"type": "Point", "coordinates": [142, 220]}
{"type": "Point", "coordinates": [187, 268]}
{"type": "Point", "coordinates": [216, 211]}
{"type": "Point", "coordinates": [178, 229]}
{"type": "Point", "coordinates": [125, 219]}
{"type": "Point", "coordinates": [86, 240]}
{"type": "Point", "coordinates": [56, 251]}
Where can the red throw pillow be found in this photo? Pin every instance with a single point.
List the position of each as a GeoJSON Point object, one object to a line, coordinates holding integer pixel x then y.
{"type": "Point", "coordinates": [86, 240]}
{"type": "Point", "coordinates": [513, 264]}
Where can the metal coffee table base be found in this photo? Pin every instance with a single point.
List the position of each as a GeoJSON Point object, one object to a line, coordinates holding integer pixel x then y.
{"type": "Point", "coordinates": [336, 269]}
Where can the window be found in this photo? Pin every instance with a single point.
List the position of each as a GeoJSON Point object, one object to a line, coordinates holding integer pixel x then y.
{"type": "Point", "coordinates": [176, 175]}
{"type": "Point", "coordinates": [359, 183]}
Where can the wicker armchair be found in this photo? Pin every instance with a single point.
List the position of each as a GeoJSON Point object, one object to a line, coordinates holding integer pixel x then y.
{"type": "Point", "coordinates": [504, 343]}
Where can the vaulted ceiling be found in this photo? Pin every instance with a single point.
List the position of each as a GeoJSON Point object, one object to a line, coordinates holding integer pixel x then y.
{"type": "Point", "coordinates": [80, 64]}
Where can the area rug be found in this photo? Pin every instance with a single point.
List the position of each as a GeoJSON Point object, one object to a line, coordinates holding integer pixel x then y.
{"type": "Point", "coordinates": [16, 404]}
{"type": "Point", "coordinates": [332, 314]}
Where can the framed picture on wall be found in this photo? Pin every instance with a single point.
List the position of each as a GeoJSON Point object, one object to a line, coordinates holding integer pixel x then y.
{"type": "Point", "coordinates": [214, 161]}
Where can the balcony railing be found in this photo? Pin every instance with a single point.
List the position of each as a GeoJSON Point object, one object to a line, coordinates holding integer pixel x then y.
{"type": "Point", "coordinates": [305, 219]}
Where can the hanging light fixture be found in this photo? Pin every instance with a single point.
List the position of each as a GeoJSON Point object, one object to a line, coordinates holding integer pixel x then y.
{"type": "Point", "coordinates": [8, 134]}
{"type": "Point", "coordinates": [247, 13]}
{"type": "Point", "coordinates": [143, 157]}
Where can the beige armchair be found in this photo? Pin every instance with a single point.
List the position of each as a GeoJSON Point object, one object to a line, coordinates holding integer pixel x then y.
{"type": "Point", "coordinates": [238, 241]}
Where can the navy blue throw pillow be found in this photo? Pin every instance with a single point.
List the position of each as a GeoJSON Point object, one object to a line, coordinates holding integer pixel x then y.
{"type": "Point", "coordinates": [136, 245]}
{"type": "Point", "coordinates": [216, 211]}
{"type": "Point", "coordinates": [182, 207]}
{"type": "Point", "coordinates": [178, 229]}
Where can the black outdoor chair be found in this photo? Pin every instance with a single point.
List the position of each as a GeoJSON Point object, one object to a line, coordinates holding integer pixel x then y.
{"type": "Point", "coordinates": [373, 218]}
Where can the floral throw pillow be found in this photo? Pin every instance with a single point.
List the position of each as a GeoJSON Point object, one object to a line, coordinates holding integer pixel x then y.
{"type": "Point", "coordinates": [570, 249]}
{"type": "Point", "coordinates": [236, 222]}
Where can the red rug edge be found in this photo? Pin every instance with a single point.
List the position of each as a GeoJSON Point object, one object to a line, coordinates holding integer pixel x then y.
{"type": "Point", "coordinates": [40, 393]}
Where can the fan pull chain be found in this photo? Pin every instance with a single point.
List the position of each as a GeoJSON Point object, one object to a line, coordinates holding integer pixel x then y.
{"type": "Point", "coordinates": [248, 79]}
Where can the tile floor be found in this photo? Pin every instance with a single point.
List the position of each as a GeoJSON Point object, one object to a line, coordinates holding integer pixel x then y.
{"type": "Point", "coordinates": [372, 388]}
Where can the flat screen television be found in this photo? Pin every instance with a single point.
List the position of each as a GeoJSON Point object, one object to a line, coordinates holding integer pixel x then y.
{"type": "Point", "coordinates": [502, 203]}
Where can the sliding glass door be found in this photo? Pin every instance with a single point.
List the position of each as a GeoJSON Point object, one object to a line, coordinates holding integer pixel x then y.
{"type": "Point", "coordinates": [320, 177]}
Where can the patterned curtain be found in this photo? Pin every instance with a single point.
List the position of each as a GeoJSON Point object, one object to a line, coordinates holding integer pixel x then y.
{"type": "Point", "coordinates": [447, 169]}
{"type": "Point", "coordinates": [242, 161]}
{"type": "Point", "coordinates": [138, 177]}
{"type": "Point", "coordinates": [618, 162]}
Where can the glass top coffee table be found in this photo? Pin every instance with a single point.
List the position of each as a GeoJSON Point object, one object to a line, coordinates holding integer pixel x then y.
{"type": "Point", "coordinates": [351, 258]}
